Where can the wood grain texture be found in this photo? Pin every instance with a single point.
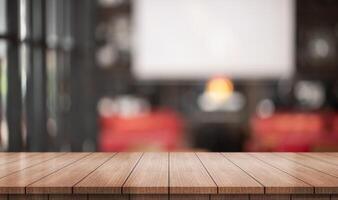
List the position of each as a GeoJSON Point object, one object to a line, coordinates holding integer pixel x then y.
{"type": "Point", "coordinates": [16, 183]}
{"type": "Point", "coordinates": [323, 183]}
{"type": "Point", "coordinates": [188, 176]}
{"type": "Point", "coordinates": [25, 162]}
{"type": "Point", "coordinates": [12, 157]}
{"type": "Point", "coordinates": [229, 197]}
{"type": "Point", "coordinates": [27, 197]}
{"type": "Point", "coordinates": [330, 158]}
{"type": "Point", "coordinates": [110, 177]}
{"type": "Point", "coordinates": [67, 197]}
{"type": "Point", "coordinates": [310, 197]}
{"type": "Point", "coordinates": [332, 153]}
{"type": "Point", "coordinates": [166, 176]}
{"type": "Point", "coordinates": [149, 197]}
{"type": "Point", "coordinates": [150, 176]}
{"type": "Point", "coordinates": [61, 182]}
{"type": "Point", "coordinates": [274, 180]}
{"type": "Point", "coordinates": [108, 197]}
{"type": "Point", "coordinates": [3, 196]}
{"type": "Point", "coordinates": [189, 197]}
{"type": "Point", "coordinates": [270, 197]}
{"type": "Point", "coordinates": [314, 163]}
{"type": "Point", "coordinates": [229, 178]}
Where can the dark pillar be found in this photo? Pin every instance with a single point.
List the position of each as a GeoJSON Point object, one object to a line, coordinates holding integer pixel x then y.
{"type": "Point", "coordinates": [83, 93]}
{"type": "Point", "coordinates": [14, 96]}
{"type": "Point", "coordinates": [37, 137]}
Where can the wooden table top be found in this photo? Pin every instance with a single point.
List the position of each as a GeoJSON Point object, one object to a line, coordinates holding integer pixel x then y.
{"type": "Point", "coordinates": [169, 173]}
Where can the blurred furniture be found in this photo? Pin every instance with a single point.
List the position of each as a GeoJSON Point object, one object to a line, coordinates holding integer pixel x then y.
{"type": "Point", "coordinates": [157, 130]}
{"type": "Point", "coordinates": [291, 131]}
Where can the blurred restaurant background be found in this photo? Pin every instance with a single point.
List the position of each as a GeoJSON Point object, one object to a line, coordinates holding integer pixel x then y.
{"type": "Point", "coordinates": [168, 75]}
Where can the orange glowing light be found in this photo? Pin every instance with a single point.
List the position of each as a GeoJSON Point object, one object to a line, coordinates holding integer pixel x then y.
{"type": "Point", "coordinates": [219, 88]}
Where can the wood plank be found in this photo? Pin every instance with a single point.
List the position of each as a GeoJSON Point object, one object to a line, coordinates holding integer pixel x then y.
{"type": "Point", "coordinates": [108, 196]}
{"type": "Point", "coordinates": [189, 197]}
{"type": "Point", "coordinates": [16, 183]}
{"type": "Point", "coordinates": [61, 182]}
{"type": "Point", "coordinates": [334, 197]}
{"type": "Point", "coordinates": [323, 183]}
{"type": "Point", "coordinates": [332, 153]}
{"type": "Point", "coordinates": [27, 197]}
{"type": "Point", "coordinates": [3, 196]}
{"type": "Point", "coordinates": [110, 177]}
{"type": "Point", "coordinates": [229, 178]}
{"type": "Point", "coordinates": [324, 157]}
{"type": "Point", "coordinates": [314, 163]}
{"type": "Point", "coordinates": [191, 176]}
{"type": "Point", "coordinates": [25, 162]}
{"type": "Point", "coordinates": [229, 197]}
{"type": "Point", "coordinates": [150, 176]}
{"type": "Point", "coordinates": [310, 197]}
{"type": "Point", "coordinates": [188, 176]}
{"type": "Point", "coordinates": [67, 197]}
{"type": "Point", "coordinates": [12, 157]}
{"type": "Point", "coordinates": [274, 180]}
{"type": "Point", "coordinates": [270, 197]}
{"type": "Point", "coordinates": [149, 197]}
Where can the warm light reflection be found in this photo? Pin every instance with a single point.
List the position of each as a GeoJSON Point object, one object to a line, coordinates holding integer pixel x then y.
{"type": "Point", "coordinates": [219, 88]}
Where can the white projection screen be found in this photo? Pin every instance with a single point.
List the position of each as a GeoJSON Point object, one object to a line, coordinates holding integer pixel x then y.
{"type": "Point", "coordinates": [197, 39]}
